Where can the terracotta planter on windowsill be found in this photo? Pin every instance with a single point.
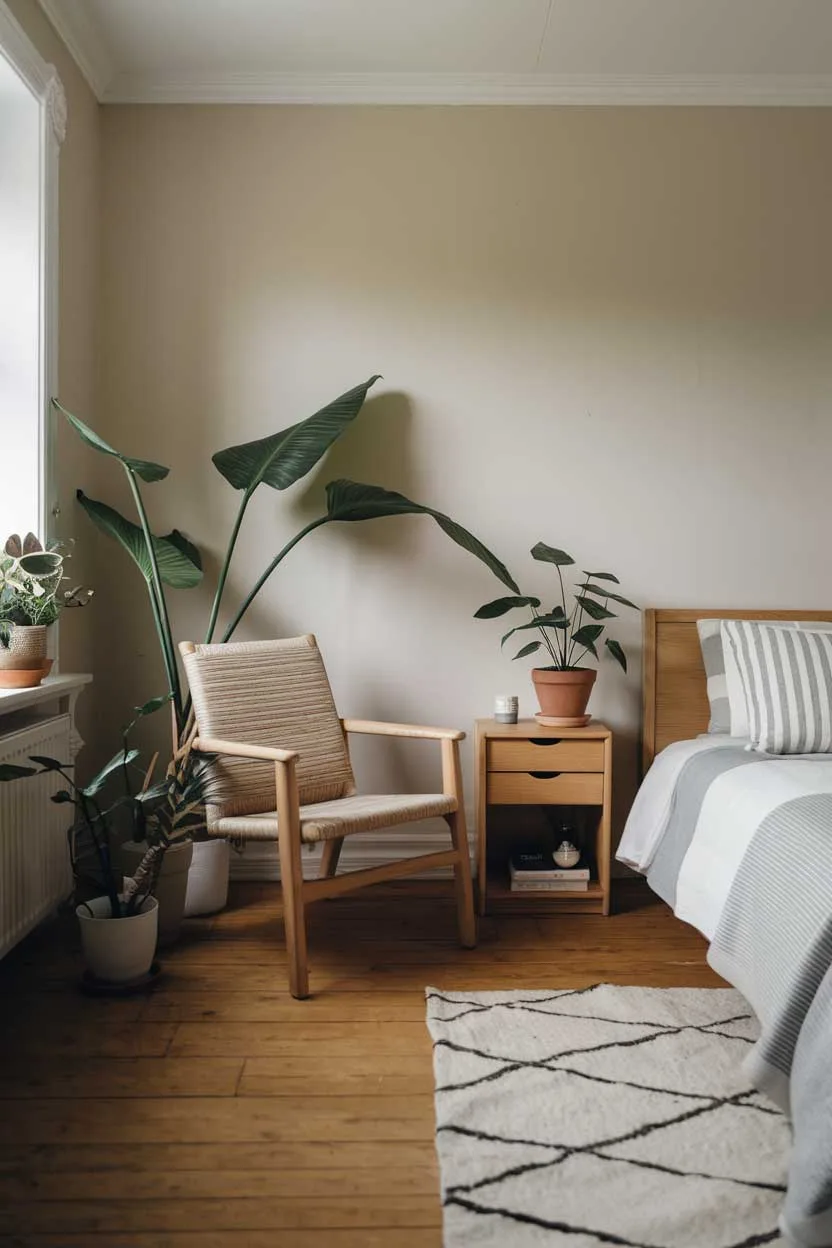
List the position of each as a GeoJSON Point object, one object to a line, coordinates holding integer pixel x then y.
{"type": "Point", "coordinates": [563, 694]}
{"type": "Point", "coordinates": [23, 662]}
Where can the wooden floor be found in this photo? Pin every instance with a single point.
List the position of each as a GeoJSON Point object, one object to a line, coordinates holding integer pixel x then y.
{"type": "Point", "coordinates": [218, 1111]}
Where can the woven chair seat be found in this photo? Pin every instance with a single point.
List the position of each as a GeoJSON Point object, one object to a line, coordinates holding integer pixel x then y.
{"type": "Point", "coordinates": [327, 821]}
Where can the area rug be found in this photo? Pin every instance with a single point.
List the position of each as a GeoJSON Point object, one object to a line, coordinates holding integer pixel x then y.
{"type": "Point", "coordinates": [603, 1116]}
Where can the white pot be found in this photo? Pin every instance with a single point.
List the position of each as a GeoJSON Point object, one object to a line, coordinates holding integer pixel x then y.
{"type": "Point", "coordinates": [118, 950]}
{"type": "Point", "coordinates": [170, 886]}
{"type": "Point", "coordinates": [208, 878]}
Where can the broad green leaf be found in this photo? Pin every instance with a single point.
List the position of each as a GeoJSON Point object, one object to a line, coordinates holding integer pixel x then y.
{"type": "Point", "coordinates": [283, 458]}
{"type": "Point", "coordinates": [62, 798]}
{"type": "Point", "coordinates": [550, 554]}
{"type": "Point", "coordinates": [616, 652]}
{"type": "Point", "coordinates": [144, 468]}
{"type": "Point", "coordinates": [501, 605]}
{"type": "Point", "coordinates": [529, 648]}
{"type": "Point", "coordinates": [175, 567]}
{"type": "Point", "coordinates": [186, 546]}
{"type": "Point", "coordinates": [11, 771]}
{"type": "Point", "coordinates": [554, 620]}
{"type": "Point", "coordinates": [48, 764]}
{"type": "Point", "coordinates": [602, 576]}
{"type": "Point", "coordinates": [350, 500]}
{"type": "Point", "coordinates": [542, 621]}
{"type": "Point", "coordinates": [588, 635]}
{"type": "Point", "coordinates": [151, 706]}
{"type": "Point", "coordinates": [557, 613]}
{"type": "Point", "coordinates": [594, 609]}
{"type": "Point", "coordinates": [589, 588]}
{"type": "Point", "coordinates": [116, 762]}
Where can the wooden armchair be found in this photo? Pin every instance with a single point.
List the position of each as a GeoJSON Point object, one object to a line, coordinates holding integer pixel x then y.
{"type": "Point", "coordinates": [283, 773]}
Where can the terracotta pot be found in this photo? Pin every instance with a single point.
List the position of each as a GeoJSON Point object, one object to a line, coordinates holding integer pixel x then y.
{"type": "Point", "coordinates": [22, 678]}
{"type": "Point", "coordinates": [26, 650]}
{"type": "Point", "coordinates": [563, 695]}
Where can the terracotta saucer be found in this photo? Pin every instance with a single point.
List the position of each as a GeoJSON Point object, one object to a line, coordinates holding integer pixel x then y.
{"type": "Point", "coordinates": [567, 721]}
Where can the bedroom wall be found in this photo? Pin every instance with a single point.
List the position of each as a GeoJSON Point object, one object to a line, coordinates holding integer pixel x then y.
{"type": "Point", "coordinates": [79, 198]}
{"type": "Point", "coordinates": [606, 329]}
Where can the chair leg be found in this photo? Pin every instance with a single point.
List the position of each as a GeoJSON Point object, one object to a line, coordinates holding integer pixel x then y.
{"type": "Point", "coordinates": [329, 858]}
{"type": "Point", "coordinates": [291, 875]}
{"type": "Point", "coordinates": [462, 881]}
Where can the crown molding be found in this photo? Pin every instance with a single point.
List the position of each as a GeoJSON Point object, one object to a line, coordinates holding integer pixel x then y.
{"type": "Point", "coordinates": [83, 41]}
{"type": "Point", "coordinates": [742, 90]}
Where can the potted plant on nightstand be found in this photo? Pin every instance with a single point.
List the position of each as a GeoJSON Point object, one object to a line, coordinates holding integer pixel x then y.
{"type": "Point", "coordinates": [566, 634]}
{"type": "Point", "coordinates": [30, 600]}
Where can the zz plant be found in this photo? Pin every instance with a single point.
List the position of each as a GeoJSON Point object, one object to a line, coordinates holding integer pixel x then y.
{"type": "Point", "coordinates": [568, 631]}
{"type": "Point", "coordinates": [277, 461]}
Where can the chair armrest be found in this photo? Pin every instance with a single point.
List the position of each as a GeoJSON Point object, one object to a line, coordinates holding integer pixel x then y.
{"type": "Point", "coordinates": [378, 729]}
{"type": "Point", "coordinates": [239, 749]}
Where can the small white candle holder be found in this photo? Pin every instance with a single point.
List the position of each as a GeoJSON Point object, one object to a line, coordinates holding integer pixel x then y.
{"type": "Point", "coordinates": [505, 709]}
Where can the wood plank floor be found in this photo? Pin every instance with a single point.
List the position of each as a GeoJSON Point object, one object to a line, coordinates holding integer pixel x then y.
{"type": "Point", "coordinates": [217, 1112]}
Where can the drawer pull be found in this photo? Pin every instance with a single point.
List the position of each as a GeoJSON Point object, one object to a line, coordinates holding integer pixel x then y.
{"type": "Point", "coordinates": [545, 740]}
{"type": "Point", "coordinates": [544, 775]}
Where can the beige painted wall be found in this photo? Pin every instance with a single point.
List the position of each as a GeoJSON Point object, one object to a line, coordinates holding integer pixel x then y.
{"type": "Point", "coordinates": [607, 329]}
{"type": "Point", "coordinates": [77, 325]}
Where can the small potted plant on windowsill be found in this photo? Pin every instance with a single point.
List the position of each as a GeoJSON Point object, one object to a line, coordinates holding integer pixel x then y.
{"type": "Point", "coordinates": [567, 636]}
{"type": "Point", "coordinates": [30, 600]}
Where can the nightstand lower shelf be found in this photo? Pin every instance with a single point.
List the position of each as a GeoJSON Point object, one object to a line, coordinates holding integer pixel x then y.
{"type": "Point", "coordinates": [578, 901]}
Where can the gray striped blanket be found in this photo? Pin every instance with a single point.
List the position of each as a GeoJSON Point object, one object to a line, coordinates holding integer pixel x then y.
{"type": "Point", "coordinates": [774, 943]}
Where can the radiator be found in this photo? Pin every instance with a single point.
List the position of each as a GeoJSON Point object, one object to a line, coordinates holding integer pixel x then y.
{"type": "Point", "coordinates": [35, 873]}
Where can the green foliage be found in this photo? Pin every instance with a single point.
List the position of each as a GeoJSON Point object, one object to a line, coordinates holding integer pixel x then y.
{"type": "Point", "coordinates": [178, 560]}
{"type": "Point", "coordinates": [277, 461]}
{"type": "Point", "coordinates": [30, 581]}
{"type": "Point", "coordinates": [565, 634]}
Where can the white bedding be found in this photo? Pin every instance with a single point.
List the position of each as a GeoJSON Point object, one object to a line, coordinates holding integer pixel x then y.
{"type": "Point", "coordinates": [731, 812]}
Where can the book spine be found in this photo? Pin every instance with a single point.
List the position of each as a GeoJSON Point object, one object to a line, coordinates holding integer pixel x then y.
{"type": "Point", "coordinates": [549, 886]}
{"type": "Point", "coordinates": [581, 873]}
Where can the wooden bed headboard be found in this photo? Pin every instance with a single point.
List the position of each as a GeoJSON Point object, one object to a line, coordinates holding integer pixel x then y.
{"type": "Point", "coordinates": [675, 698]}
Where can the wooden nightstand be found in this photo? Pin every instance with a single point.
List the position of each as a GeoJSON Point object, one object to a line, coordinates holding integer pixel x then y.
{"type": "Point", "coordinates": [525, 764]}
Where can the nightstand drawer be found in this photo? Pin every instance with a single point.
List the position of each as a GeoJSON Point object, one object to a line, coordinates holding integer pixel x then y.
{"type": "Point", "coordinates": [544, 754]}
{"type": "Point", "coordinates": [545, 787]}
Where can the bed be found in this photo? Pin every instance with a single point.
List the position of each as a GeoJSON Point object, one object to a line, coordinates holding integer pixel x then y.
{"type": "Point", "coordinates": [739, 843]}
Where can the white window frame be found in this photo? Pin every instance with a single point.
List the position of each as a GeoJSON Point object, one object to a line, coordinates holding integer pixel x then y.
{"type": "Point", "coordinates": [42, 80]}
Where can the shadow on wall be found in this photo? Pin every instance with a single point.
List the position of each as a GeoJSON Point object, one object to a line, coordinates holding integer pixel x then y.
{"type": "Point", "coordinates": [376, 449]}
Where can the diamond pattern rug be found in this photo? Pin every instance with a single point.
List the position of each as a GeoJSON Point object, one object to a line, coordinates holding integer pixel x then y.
{"type": "Point", "coordinates": [603, 1116]}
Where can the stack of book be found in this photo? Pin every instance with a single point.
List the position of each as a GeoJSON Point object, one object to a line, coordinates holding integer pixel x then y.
{"type": "Point", "coordinates": [538, 873]}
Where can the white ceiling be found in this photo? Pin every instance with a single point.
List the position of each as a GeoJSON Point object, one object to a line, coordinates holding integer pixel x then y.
{"type": "Point", "coordinates": [454, 51]}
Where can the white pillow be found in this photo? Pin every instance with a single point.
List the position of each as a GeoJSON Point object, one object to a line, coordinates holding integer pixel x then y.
{"type": "Point", "coordinates": [786, 678]}
{"type": "Point", "coordinates": [737, 709]}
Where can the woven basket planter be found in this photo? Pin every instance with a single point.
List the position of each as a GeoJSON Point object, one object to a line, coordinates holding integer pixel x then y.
{"type": "Point", "coordinates": [26, 650]}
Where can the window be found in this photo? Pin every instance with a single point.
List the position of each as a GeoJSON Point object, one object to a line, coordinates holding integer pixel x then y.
{"type": "Point", "coordinates": [31, 126]}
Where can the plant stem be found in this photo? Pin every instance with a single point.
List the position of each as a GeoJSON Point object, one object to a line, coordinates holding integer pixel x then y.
{"type": "Point", "coordinates": [563, 640]}
{"type": "Point", "coordinates": [160, 609]}
{"type": "Point", "coordinates": [541, 628]}
{"type": "Point", "coordinates": [315, 524]}
{"type": "Point", "coordinates": [232, 542]}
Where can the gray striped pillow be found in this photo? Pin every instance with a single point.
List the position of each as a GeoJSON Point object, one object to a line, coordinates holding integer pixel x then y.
{"type": "Point", "coordinates": [786, 676]}
{"type": "Point", "coordinates": [713, 659]}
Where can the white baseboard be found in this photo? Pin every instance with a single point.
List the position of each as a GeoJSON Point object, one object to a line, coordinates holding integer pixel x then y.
{"type": "Point", "coordinates": [259, 859]}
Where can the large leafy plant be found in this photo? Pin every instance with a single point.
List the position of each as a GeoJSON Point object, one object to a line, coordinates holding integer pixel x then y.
{"type": "Point", "coordinates": [278, 461]}
{"type": "Point", "coordinates": [566, 632]}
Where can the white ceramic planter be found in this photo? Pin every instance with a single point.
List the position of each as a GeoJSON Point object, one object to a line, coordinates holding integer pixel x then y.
{"type": "Point", "coordinates": [170, 886]}
{"type": "Point", "coordinates": [208, 878]}
{"type": "Point", "coordinates": [118, 950]}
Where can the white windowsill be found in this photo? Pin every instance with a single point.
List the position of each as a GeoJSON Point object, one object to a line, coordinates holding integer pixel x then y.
{"type": "Point", "coordinates": [52, 689]}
